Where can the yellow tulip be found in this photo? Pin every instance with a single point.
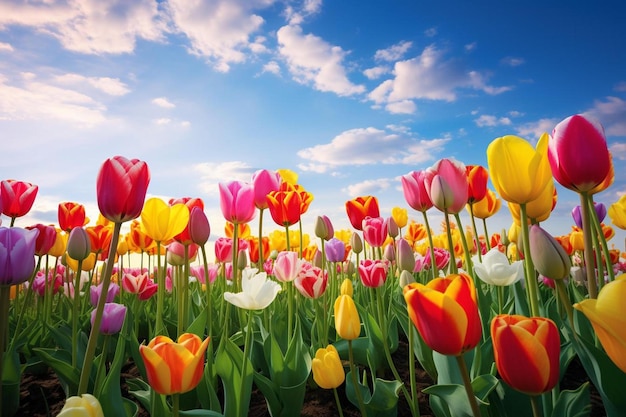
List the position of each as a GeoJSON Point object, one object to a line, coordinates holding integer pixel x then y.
{"type": "Point", "coordinates": [607, 315]}
{"type": "Point", "coordinates": [518, 171]}
{"type": "Point", "coordinates": [344, 235]}
{"type": "Point", "coordinates": [327, 369]}
{"type": "Point", "coordinates": [347, 320]}
{"type": "Point", "coordinates": [346, 287]}
{"type": "Point", "coordinates": [88, 263]}
{"type": "Point", "coordinates": [288, 175]}
{"type": "Point", "coordinates": [400, 216]}
{"type": "Point", "coordinates": [537, 210]}
{"type": "Point", "coordinates": [617, 212]}
{"type": "Point", "coordinates": [81, 406]}
{"type": "Point", "coordinates": [58, 249]}
{"type": "Point", "coordinates": [162, 222]}
{"type": "Point", "coordinates": [486, 207]}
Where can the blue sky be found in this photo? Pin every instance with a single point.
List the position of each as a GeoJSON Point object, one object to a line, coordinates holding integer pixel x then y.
{"type": "Point", "coordinates": [349, 94]}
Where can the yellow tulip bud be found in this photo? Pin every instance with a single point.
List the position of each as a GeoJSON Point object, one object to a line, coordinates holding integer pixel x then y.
{"type": "Point", "coordinates": [346, 287]}
{"type": "Point", "coordinates": [347, 321]}
{"type": "Point", "coordinates": [82, 406]}
{"type": "Point", "coordinates": [327, 370]}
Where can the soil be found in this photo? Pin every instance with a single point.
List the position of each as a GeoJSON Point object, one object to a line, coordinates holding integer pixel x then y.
{"type": "Point", "coordinates": [43, 396]}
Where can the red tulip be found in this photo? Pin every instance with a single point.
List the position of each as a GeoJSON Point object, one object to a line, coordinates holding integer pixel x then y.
{"type": "Point", "coordinates": [284, 207]}
{"type": "Point", "coordinates": [415, 193]}
{"type": "Point", "coordinates": [17, 197]}
{"type": "Point", "coordinates": [526, 352]}
{"type": "Point", "coordinates": [71, 215]}
{"type": "Point", "coordinates": [121, 188]}
{"type": "Point", "coordinates": [46, 239]}
{"type": "Point", "coordinates": [575, 142]}
{"type": "Point", "coordinates": [361, 207]}
{"type": "Point", "coordinates": [477, 177]}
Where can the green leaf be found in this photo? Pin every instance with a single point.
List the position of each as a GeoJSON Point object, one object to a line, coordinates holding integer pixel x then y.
{"type": "Point", "coordinates": [575, 403]}
{"type": "Point", "coordinates": [200, 413]}
{"type": "Point", "coordinates": [198, 326]}
{"type": "Point", "coordinates": [453, 396]}
{"type": "Point", "coordinates": [237, 381]}
{"type": "Point", "coordinates": [61, 362]}
{"type": "Point", "coordinates": [111, 395]}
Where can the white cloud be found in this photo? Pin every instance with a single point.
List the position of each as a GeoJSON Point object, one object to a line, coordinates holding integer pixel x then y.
{"type": "Point", "coordinates": [369, 146]}
{"type": "Point", "coordinates": [162, 121]}
{"type": "Point", "coordinates": [110, 86]}
{"type": "Point", "coordinates": [470, 47]}
{"type": "Point", "coordinates": [219, 30]}
{"type": "Point", "coordinates": [393, 53]}
{"type": "Point", "coordinates": [512, 61]}
{"type": "Point", "coordinates": [297, 16]}
{"type": "Point", "coordinates": [401, 107]}
{"type": "Point", "coordinates": [5, 47]}
{"type": "Point", "coordinates": [532, 131]}
{"type": "Point", "coordinates": [163, 102]}
{"type": "Point", "coordinates": [89, 26]}
{"type": "Point", "coordinates": [30, 98]}
{"type": "Point", "coordinates": [621, 86]}
{"type": "Point", "coordinates": [211, 174]}
{"type": "Point", "coordinates": [430, 76]}
{"type": "Point", "coordinates": [430, 32]}
{"type": "Point", "coordinates": [272, 67]}
{"type": "Point", "coordinates": [490, 120]}
{"type": "Point", "coordinates": [618, 150]}
{"type": "Point", "coordinates": [612, 114]}
{"type": "Point", "coordinates": [376, 72]}
{"type": "Point", "coordinates": [368, 187]}
{"type": "Point", "coordinates": [312, 60]}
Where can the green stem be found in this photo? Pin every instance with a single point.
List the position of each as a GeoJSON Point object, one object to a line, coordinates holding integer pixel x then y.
{"type": "Point", "coordinates": [565, 301]}
{"type": "Point", "coordinates": [600, 234]}
{"type": "Point", "coordinates": [592, 285]}
{"type": "Point", "coordinates": [476, 239]}
{"type": "Point", "coordinates": [208, 285]}
{"type": "Point", "coordinates": [5, 296]}
{"type": "Point", "coordinates": [185, 282]}
{"type": "Point", "coordinates": [412, 377]}
{"type": "Point", "coordinates": [160, 326]}
{"type": "Point", "coordinates": [102, 364]}
{"type": "Point", "coordinates": [75, 303]}
{"type": "Point", "coordinates": [468, 256]}
{"type": "Point", "coordinates": [431, 245]}
{"type": "Point", "coordinates": [25, 303]}
{"type": "Point", "coordinates": [339, 409]}
{"type": "Point", "coordinates": [487, 239]}
{"type": "Point", "coordinates": [175, 405]}
{"type": "Point", "coordinates": [500, 292]}
{"type": "Point", "coordinates": [468, 385]}
{"type": "Point", "coordinates": [531, 280]}
{"type": "Point", "coordinates": [534, 402]}
{"type": "Point", "coordinates": [246, 352]}
{"type": "Point", "coordinates": [95, 329]}
{"type": "Point", "coordinates": [453, 268]}
{"type": "Point", "coordinates": [355, 381]}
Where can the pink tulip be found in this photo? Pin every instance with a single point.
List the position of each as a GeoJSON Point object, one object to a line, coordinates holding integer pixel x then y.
{"type": "Point", "coordinates": [237, 201]}
{"type": "Point", "coordinates": [415, 192]}
{"type": "Point", "coordinates": [17, 197]}
{"type": "Point", "coordinates": [264, 182]}
{"type": "Point", "coordinates": [311, 281]}
{"type": "Point", "coordinates": [199, 227]}
{"type": "Point", "coordinates": [375, 231]}
{"type": "Point", "coordinates": [373, 273]}
{"type": "Point", "coordinates": [198, 272]}
{"type": "Point", "coordinates": [112, 318]}
{"type": "Point", "coordinates": [286, 266]}
{"type": "Point", "coordinates": [121, 188]}
{"type": "Point", "coordinates": [578, 153]}
{"type": "Point", "coordinates": [446, 185]}
{"type": "Point", "coordinates": [140, 284]}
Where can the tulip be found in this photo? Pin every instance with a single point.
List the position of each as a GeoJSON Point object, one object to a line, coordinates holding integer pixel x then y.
{"type": "Point", "coordinates": [176, 253]}
{"type": "Point", "coordinates": [550, 258]}
{"type": "Point", "coordinates": [284, 207]}
{"type": "Point", "coordinates": [140, 284]}
{"type": "Point", "coordinates": [121, 188]}
{"type": "Point", "coordinates": [139, 239]}
{"type": "Point", "coordinates": [347, 321]}
{"type": "Point", "coordinates": [507, 157]}
{"type": "Point", "coordinates": [311, 281]}
{"type": "Point", "coordinates": [237, 201]}
{"type": "Point", "coordinates": [414, 189]}
{"type": "Point", "coordinates": [361, 207]}
{"type": "Point", "coordinates": [198, 272]}
{"type": "Point", "coordinates": [575, 141]}
{"type": "Point", "coordinates": [257, 291]}
{"type": "Point", "coordinates": [85, 405]}
{"type": "Point", "coordinates": [327, 369]}
{"type": "Point", "coordinates": [356, 243]}
{"type": "Point", "coordinates": [254, 250]}
{"type": "Point", "coordinates": [174, 367]}
{"type": "Point", "coordinates": [539, 209]}
{"type": "Point", "coordinates": [495, 269]}
{"type": "Point", "coordinates": [184, 237]}
{"type": "Point", "coordinates": [45, 240]}
{"type": "Point", "coordinates": [617, 212]}
{"type": "Point", "coordinates": [17, 197]}
{"type": "Point", "coordinates": [264, 182]}
{"type": "Point", "coordinates": [286, 266]}
{"type": "Point", "coordinates": [95, 292]}
{"type": "Point", "coordinates": [526, 351]}
{"type": "Point", "coordinates": [60, 243]}
{"type": "Point", "coordinates": [445, 303]}
{"type": "Point", "coordinates": [406, 256]}
{"type": "Point", "coordinates": [373, 273]}
{"type": "Point", "coordinates": [71, 215]}
{"type": "Point", "coordinates": [374, 231]}
{"type": "Point", "coordinates": [199, 227]}
{"type": "Point", "coordinates": [607, 315]}
{"type": "Point", "coordinates": [600, 212]}
{"type": "Point", "coordinates": [78, 244]}
{"type": "Point", "coordinates": [415, 232]}
{"type": "Point", "coordinates": [446, 185]}
{"type": "Point", "coordinates": [346, 287]}
{"type": "Point", "coordinates": [100, 239]}
{"type": "Point", "coordinates": [17, 255]}
{"type": "Point", "coordinates": [112, 318]}
{"type": "Point", "coordinates": [400, 216]}
{"type": "Point", "coordinates": [161, 222]}
{"type": "Point", "coordinates": [324, 228]}
{"type": "Point", "coordinates": [487, 207]}
{"type": "Point", "coordinates": [477, 177]}
{"type": "Point", "coordinates": [55, 281]}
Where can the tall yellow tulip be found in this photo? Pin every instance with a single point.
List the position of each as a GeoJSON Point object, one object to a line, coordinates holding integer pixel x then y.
{"type": "Point", "coordinates": [607, 315]}
{"type": "Point", "coordinates": [539, 209]}
{"type": "Point", "coordinates": [347, 321]}
{"type": "Point", "coordinates": [518, 171]}
{"type": "Point", "coordinates": [617, 212]}
{"type": "Point", "coordinates": [162, 222]}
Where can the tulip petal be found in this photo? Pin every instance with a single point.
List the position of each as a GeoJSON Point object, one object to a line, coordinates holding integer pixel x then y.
{"type": "Point", "coordinates": [158, 372]}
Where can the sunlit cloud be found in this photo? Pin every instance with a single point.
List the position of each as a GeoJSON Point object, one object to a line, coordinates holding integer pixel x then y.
{"type": "Point", "coordinates": [210, 174]}
{"type": "Point", "coordinates": [394, 52]}
{"type": "Point", "coordinates": [368, 187]}
{"type": "Point", "coordinates": [612, 114]}
{"type": "Point", "coordinates": [491, 120]}
{"type": "Point", "coordinates": [163, 102]}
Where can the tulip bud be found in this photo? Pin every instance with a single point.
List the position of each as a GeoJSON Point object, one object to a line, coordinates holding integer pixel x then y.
{"type": "Point", "coordinates": [85, 405]}
{"type": "Point", "coordinates": [392, 228]}
{"type": "Point", "coordinates": [78, 244]}
{"type": "Point", "coordinates": [548, 255]}
{"type": "Point", "coordinates": [112, 318]}
{"type": "Point", "coordinates": [347, 320]}
{"type": "Point", "coordinates": [324, 228]}
{"type": "Point", "coordinates": [406, 278]}
{"type": "Point", "coordinates": [406, 256]}
{"type": "Point", "coordinates": [199, 228]}
{"type": "Point", "coordinates": [346, 287]}
{"type": "Point", "coordinates": [242, 259]}
{"type": "Point", "coordinates": [389, 253]}
{"type": "Point", "coordinates": [327, 368]}
{"type": "Point", "coordinates": [356, 243]}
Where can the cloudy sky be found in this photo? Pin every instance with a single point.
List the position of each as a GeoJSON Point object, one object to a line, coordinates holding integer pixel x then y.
{"type": "Point", "coordinates": [349, 94]}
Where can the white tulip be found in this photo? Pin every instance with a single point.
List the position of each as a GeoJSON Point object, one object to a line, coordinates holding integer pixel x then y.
{"type": "Point", "coordinates": [495, 269]}
{"type": "Point", "coordinates": [257, 291]}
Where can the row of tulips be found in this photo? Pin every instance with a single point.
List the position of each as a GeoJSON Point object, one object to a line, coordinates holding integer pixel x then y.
{"type": "Point", "coordinates": [493, 318]}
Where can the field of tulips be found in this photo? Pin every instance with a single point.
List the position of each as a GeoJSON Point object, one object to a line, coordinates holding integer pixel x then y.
{"type": "Point", "coordinates": [493, 319]}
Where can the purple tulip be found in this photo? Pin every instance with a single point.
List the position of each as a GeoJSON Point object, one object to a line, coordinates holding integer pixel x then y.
{"type": "Point", "coordinates": [112, 318]}
{"type": "Point", "coordinates": [600, 211]}
{"type": "Point", "coordinates": [95, 291]}
{"type": "Point", "coordinates": [17, 254]}
{"type": "Point", "coordinates": [335, 250]}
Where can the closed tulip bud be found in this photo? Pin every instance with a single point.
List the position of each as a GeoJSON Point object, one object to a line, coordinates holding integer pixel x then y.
{"type": "Point", "coordinates": [242, 259]}
{"type": "Point", "coordinates": [347, 320]}
{"type": "Point", "coordinates": [400, 216]}
{"type": "Point", "coordinates": [117, 177]}
{"type": "Point", "coordinates": [446, 184]}
{"type": "Point", "coordinates": [356, 243]}
{"type": "Point", "coordinates": [346, 287]}
{"type": "Point", "coordinates": [335, 250]}
{"type": "Point", "coordinates": [392, 227]}
{"type": "Point", "coordinates": [199, 228]}
{"type": "Point", "coordinates": [78, 244]}
{"type": "Point", "coordinates": [324, 228]}
{"type": "Point", "coordinates": [389, 253]}
{"type": "Point", "coordinates": [607, 315]}
{"type": "Point", "coordinates": [327, 369]}
{"type": "Point", "coordinates": [406, 278]}
{"type": "Point", "coordinates": [548, 255]}
{"type": "Point", "coordinates": [85, 405]}
{"type": "Point", "coordinates": [286, 266]}
{"type": "Point", "coordinates": [406, 256]}
{"type": "Point", "coordinates": [526, 352]}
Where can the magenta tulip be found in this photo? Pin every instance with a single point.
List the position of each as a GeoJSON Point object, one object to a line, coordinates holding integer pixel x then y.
{"type": "Point", "coordinates": [414, 189]}
{"type": "Point", "coordinates": [121, 188]}
{"type": "Point", "coordinates": [199, 227]}
{"type": "Point", "coordinates": [17, 197]}
{"type": "Point", "coordinates": [373, 273]}
{"type": "Point", "coordinates": [375, 231]}
{"type": "Point", "coordinates": [447, 186]}
{"type": "Point", "coordinates": [17, 254]}
{"type": "Point", "coordinates": [575, 142]}
{"type": "Point", "coordinates": [264, 182]}
{"type": "Point", "coordinates": [237, 201]}
{"type": "Point", "coordinates": [112, 318]}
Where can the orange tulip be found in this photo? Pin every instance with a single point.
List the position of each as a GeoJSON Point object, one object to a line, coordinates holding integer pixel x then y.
{"type": "Point", "coordinates": [100, 239]}
{"type": "Point", "coordinates": [174, 368]}
{"type": "Point", "coordinates": [361, 207]}
{"type": "Point", "coordinates": [284, 207]}
{"type": "Point", "coordinates": [526, 351]}
{"type": "Point", "coordinates": [487, 207]}
{"type": "Point", "coordinates": [445, 303]}
{"type": "Point", "coordinates": [71, 215]}
{"type": "Point", "coordinates": [138, 239]}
